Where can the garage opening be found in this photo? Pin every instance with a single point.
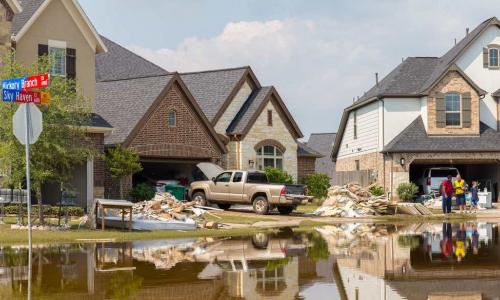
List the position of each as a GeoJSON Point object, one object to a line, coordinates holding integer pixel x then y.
{"type": "Point", "coordinates": [486, 172]}
{"type": "Point", "coordinates": [180, 172]}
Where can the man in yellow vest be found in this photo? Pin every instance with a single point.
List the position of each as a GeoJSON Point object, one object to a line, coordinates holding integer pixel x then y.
{"type": "Point", "coordinates": [459, 186]}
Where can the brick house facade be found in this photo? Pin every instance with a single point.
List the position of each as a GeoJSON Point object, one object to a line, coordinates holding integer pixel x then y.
{"type": "Point", "coordinates": [430, 112]}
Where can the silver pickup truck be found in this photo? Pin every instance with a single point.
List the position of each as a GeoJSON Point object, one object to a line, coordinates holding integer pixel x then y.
{"type": "Point", "coordinates": [248, 187]}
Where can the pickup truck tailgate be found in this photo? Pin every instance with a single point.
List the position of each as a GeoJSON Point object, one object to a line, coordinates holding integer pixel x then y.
{"type": "Point", "coordinates": [295, 189]}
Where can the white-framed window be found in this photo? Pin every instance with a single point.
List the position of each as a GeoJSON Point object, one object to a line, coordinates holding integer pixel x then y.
{"type": "Point", "coordinates": [452, 109]}
{"type": "Point", "coordinates": [269, 156]}
{"type": "Point", "coordinates": [58, 58]}
{"type": "Point", "coordinates": [493, 57]}
{"type": "Point", "coordinates": [172, 118]}
{"type": "Point", "coordinates": [355, 124]}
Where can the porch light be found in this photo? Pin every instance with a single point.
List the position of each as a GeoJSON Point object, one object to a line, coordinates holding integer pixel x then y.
{"type": "Point", "coordinates": [251, 163]}
{"type": "Point", "coordinates": [402, 161]}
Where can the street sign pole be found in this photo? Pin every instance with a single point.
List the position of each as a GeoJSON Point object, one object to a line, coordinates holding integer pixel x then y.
{"type": "Point", "coordinates": [28, 192]}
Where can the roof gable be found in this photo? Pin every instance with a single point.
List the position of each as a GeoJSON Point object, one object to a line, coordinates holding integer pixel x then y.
{"type": "Point", "coordinates": [32, 9]}
{"type": "Point", "coordinates": [254, 106]}
{"type": "Point", "coordinates": [119, 63]}
{"type": "Point", "coordinates": [14, 6]}
{"type": "Point", "coordinates": [118, 102]}
{"type": "Point", "coordinates": [215, 89]}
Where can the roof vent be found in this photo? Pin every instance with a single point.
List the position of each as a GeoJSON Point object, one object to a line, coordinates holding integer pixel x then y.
{"type": "Point", "coordinates": [455, 41]}
{"type": "Point", "coordinates": [376, 79]}
{"type": "Point", "coordinates": [467, 31]}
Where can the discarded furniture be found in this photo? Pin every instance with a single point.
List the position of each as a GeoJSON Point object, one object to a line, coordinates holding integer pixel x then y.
{"type": "Point", "coordinates": [124, 205]}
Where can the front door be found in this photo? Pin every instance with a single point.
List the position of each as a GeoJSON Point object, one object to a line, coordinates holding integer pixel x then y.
{"type": "Point", "coordinates": [220, 187]}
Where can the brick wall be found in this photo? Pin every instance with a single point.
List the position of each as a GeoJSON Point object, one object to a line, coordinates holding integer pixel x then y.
{"type": "Point", "coordinates": [372, 161]}
{"type": "Point", "coordinates": [453, 82]}
{"type": "Point", "coordinates": [305, 167]}
{"type": "Point", "coordinates": [97, 140]}
{"type": "Point", "coordinates": [5, 27]}
{"type": "Point", "coordinates": [188, 139]}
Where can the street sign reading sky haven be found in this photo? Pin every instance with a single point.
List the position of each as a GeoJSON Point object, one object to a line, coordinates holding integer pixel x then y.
{"type": "Point", "coordinates": [26, 97]}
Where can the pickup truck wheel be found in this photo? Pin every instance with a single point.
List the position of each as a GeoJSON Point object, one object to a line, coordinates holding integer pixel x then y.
{"type": "Point", "coordinates": [260, 205]}
{"type": "Point", "coordinates": [224, 205]}
{"type": "Point", "coordinates": [199, 198]}
{"type": "Point", "coordinates": [285, 210]}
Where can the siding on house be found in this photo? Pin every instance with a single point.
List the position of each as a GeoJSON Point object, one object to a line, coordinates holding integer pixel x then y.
{"type": "Point", "coordinates": [471, 62]}
{"type": "Point", "coordinates": [233, 108]}
{"type": "Point", "coordinates": [65, 29]}
{"type": "Point", "coordinates": [367, 132]}
{"type": "Point", "coordinates": [398, 114]}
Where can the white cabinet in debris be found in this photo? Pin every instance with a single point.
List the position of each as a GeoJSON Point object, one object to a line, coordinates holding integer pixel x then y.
{"type": "Point", "coordinates": [484, 199]}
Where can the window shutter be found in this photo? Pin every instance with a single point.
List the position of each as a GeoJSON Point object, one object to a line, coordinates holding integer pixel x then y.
{"type": "Point", "coordinates": [43, 50]}
{"type": "Point", "coordinates": [485, 57]}
{"type": "Point", "coordinates": [466, 110]}
{"type": "Point", "coordinates": [70, 63]}
{"type": "Point", "coordinates": [440, 111]}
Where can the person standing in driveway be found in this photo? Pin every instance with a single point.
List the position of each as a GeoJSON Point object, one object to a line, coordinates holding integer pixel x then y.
{"type": "Point", "coordinates": [446, 193]}
{"type": "Point", "coordinates": [459, 186]}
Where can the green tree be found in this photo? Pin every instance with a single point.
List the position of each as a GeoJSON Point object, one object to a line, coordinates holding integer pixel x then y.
{"type": "Point", "coordinates": [278, 176]}
{"type": "Point", "coordinates": [122, 162]}
{"type": "Point", "coordinates": [63, 143]}
{"type": "Point", "coordinates": [318, 185]}
{"type": "Point", "coordinates": [406, 191]}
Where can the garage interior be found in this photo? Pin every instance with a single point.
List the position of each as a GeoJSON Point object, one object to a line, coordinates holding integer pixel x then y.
{"type": "Point", "coordinates": [486, 172]}
{"type": "Point", "coordinates": [184, 171]}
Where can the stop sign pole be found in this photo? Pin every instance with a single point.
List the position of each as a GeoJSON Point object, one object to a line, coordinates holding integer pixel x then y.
{"type": "Point", "coordinates": [28, 177]}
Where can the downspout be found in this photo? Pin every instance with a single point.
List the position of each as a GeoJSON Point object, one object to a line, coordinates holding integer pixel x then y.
{"type": "Point", "coordinates": [383, 141]}
{"type": "Point", "coordinates": [238, 153]}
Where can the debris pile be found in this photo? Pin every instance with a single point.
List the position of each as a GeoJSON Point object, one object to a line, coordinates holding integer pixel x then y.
{"type": "Point", "coordinates": [162, 207]}
{"type": "Point", "coordinates": [165, 207]}
{"type": "Point", "coordinates": [352, 200]}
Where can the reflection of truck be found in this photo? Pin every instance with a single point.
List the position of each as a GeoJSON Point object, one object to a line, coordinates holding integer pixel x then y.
{"type": "Point", "coordinates": [248, 187]}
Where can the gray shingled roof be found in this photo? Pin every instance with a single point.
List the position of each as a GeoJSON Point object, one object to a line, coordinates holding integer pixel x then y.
{"type": "Point", "coordinates": [406, 79]}
{"type": "Point", "coordinates": [124, 102]}
{"type": "Point", "coordinates": [323, 143]}
{"type": "Point", "coordinates": [29, 8]}
{"type": "Point", "coordinates": [212, 88]}
{"type": "Point", "coordinates": [119, 63]}
{"type": "Point", "coordinates": [305, 151]}
{"type": "Point", "coordinates": [98, 121]}
{"type": "Point", "coordinates": [247, 111]}
{"type": "Point", "coordinates": [414, 138]}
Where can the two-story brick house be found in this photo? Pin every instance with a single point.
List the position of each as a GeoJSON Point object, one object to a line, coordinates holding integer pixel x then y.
{"type": "Point", "coordinates": [430, 111]}
{"type": "Point", "coordinates": [61, 30]}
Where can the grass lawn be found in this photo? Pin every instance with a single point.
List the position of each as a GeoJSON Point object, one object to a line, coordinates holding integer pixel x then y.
{"type": "Point", "coordinates": [306, 209]}
{"type": "Point", "coordinates": [227, 217]}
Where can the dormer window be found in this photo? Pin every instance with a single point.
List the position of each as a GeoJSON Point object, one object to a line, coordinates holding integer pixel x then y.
{"type": "Point", "coordinates": [452, 109]}
{"type": "Point", "coordinates": [493, 57]}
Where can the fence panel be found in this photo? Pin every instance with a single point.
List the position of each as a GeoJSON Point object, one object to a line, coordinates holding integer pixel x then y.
{"type": "Point", "coordinates": [363, 177]}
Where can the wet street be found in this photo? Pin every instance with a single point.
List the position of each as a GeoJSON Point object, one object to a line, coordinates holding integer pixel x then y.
{"type": "Point", "coordinates": [348, 261]}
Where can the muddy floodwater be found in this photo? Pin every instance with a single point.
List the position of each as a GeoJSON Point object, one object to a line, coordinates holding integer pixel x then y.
{"type": "Point", "coordinates": [349, 261]}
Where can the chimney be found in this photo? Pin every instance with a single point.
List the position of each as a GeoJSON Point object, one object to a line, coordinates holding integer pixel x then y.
{"type": "Point", "coordinates": [376, 79]}
{"type": "Point", "coordinates": [467, 31]}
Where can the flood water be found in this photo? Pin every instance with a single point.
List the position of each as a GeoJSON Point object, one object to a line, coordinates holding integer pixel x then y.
{"type": "Point", "coordinates": [350, 261]}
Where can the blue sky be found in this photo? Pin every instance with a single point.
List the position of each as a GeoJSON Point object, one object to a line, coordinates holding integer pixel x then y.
{"type": "Point", "coordinates": [318, 54]}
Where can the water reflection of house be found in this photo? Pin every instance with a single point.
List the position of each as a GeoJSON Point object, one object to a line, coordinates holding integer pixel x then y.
{"type": "Point", "coordinates": [387, 268]}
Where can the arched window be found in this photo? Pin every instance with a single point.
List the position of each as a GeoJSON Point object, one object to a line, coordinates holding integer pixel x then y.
{"type": "Point", "coordinates": [493, 57]}
{"type": "Point", "coordinates": [452, 109]}
{"type": "Point", "coordinates": [269, 156]}
{"type": "Point", "coordinates": [172, 118]}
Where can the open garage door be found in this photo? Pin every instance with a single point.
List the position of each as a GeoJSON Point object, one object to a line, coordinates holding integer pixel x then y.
{"type": "Point", "coordinates": [486, 172]}
{"type": "Point", "coordinates": [183, 171]}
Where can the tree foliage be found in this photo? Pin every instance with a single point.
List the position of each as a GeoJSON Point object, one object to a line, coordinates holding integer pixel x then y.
{"type": "Point", "coordinates": [122, 162]}
{"type": "Point", "coordinates": [318, 184]}
{"type": "Point", "coordinates": [63, 143]}
{"type": "Point", "coordinates": [278, 176]}
{"type": "Point", "coordinates": [406, 191]}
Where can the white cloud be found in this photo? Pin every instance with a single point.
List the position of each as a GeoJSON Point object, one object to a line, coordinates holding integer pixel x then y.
{"type": "Point", "coordinates": [319, 65]}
